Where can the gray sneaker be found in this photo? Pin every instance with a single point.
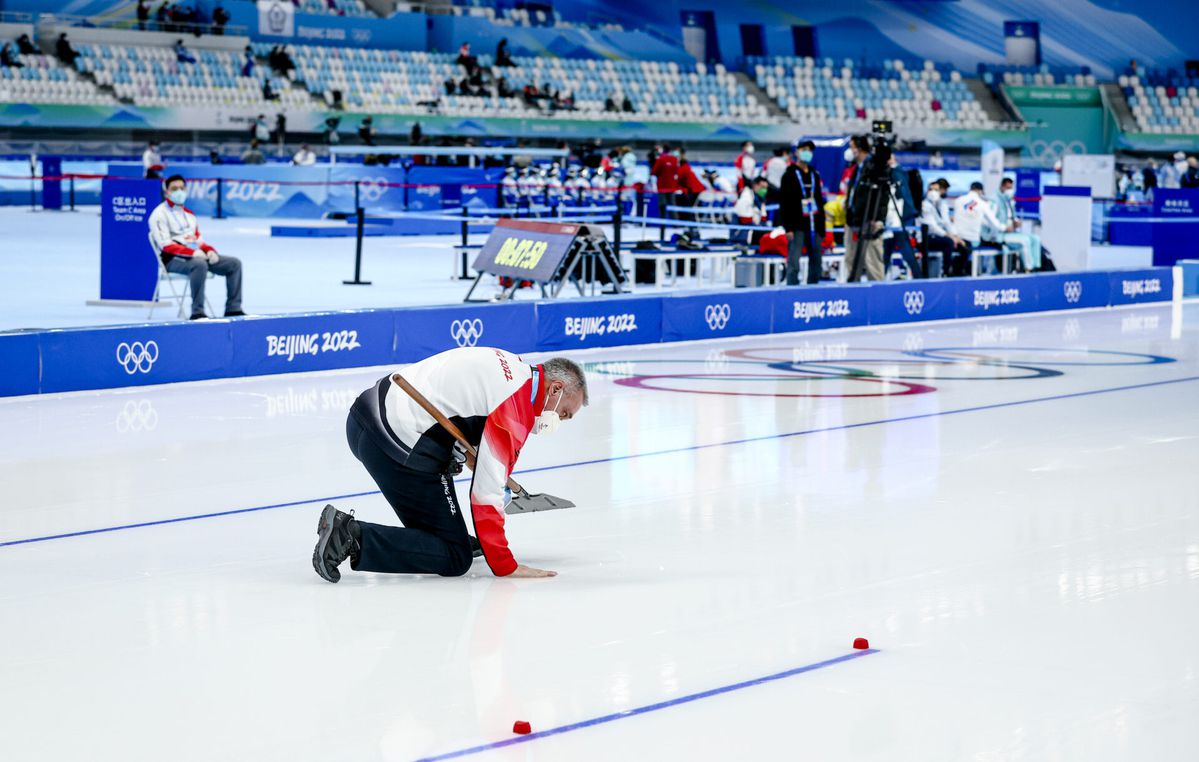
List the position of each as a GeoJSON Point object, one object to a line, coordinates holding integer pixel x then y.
{"type": "Point", "coordinates": [338, 538]}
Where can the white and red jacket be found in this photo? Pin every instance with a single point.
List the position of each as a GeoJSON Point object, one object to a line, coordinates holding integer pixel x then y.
{"type": "Point", "coordinates": [492, 396]}
{"type": "Point", "coordinates": [175, 232]}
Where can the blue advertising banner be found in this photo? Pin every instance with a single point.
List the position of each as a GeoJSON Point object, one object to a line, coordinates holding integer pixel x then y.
{"type": "Point", "coordinates": [1176, 202]}
{"type": "Point", "coordinates": [424, 332]}
{"type": "Point", "coordinates": [380, 190]}
{"type": "Point", "coordinates": [1135, 286]}
{"type": "Point", "coordinates": [707, 316]}
{"type": "Point", "coordinates": [814, 307]}
{"type": "Point", "coordinates": [911, 300]}
{"type": "Point", "coordinates": [134, 355]}
{"type": "Point", "coordinates": [313, 342]}
{"type": "Point", "coordinates": [127, 267]}
{"type": "Point", "coordinates": [526, 249]}
{"type": "Point", "coordinates": [19, 358]}
{"type": "Point", "coordinates": [1065, 291]}
{"type": "Point", "coordinates": [579, 324]}
{"type": "Point", "coordinates": [979, 297]}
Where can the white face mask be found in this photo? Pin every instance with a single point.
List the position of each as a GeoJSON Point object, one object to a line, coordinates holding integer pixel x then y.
{"type": "Point", "coordinates": [1010, 192]}
{"type": "Point", "coordinates": [934, 196]}
{"type": "Point", "coordinates": [749, 150]}
{"type": "Point", "coordinates": [177, 197]}
{"type": "Point", "coordinates": [848, 154]}
{"type": "Point", "coordinates": [549, 420]}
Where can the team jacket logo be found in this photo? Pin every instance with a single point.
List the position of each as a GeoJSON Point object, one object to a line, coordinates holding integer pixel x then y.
{"type": "Point", "coordinates": [1073, 291]}
{"type": "Point", "coordinates": [717, 316]}
{"type": "Point", "coordinates": [466, 333]}
{"type": "Point", "coordinates": [137, 357]}
{"type": "Point", "coordinates": [913, 302]}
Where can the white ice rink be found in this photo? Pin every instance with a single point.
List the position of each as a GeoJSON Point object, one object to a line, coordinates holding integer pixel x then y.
{"type": "Point", "coordinates": [1017, 536]}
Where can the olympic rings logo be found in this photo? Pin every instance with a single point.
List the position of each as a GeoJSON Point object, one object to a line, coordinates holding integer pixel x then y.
{"type": "Point", "coordinates": [466, 333]}
{"type": "Point", "coordinates": [717, 316]}
{"type": "Point", "coordinates": [1048, 152]}
{"type": "Point", "coordinates": [913, 302]}
{"type": "Point", "coordinates": [1073, 290]}
{"type": "Point", "coordinates": [137, 357]}
{"type": "Point", "coordinates": [371, 189]}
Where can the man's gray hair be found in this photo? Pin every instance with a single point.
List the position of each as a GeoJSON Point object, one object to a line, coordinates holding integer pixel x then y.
{"type": "Point", "coordinates": [569, 372]}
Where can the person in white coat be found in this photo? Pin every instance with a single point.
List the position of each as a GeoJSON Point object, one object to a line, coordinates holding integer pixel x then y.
{"type": "Point", "coordinates": [177, 241]}
{"type": "Point", "coordinates": [971, 213]}
{"type": "Point", "coordinates": [942, 238]}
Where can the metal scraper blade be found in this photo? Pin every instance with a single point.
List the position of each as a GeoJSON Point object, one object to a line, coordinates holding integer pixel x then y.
{"type": "Point", "coordinates": [528, 503]}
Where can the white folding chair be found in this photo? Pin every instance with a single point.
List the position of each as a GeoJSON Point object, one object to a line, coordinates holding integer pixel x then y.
{"type": "Point", "coordinates": [170, 278]}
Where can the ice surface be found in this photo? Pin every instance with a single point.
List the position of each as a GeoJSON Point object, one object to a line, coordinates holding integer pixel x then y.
{"type": "Point", "coordinates": [1021, 544]}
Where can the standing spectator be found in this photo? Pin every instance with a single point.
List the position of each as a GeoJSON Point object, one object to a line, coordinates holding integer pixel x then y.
{"type": "Point", "coordinates": [628, 161]}
{"type": "Point", "coordinates": [152, 161]}
{"type": "Point", "coordinates": [253, 154]}
{"type": "Point", "coordinates": [750, 209]}
{"type": "Point", "coordinates": [691, 188]}
{"type": "Point", "coordinates": [176, 239]}
{"type": "Point", "coordinates": [466, 60]}
{"type": "Point", "coordinates": [64, 51]}
{"type": "Point", "coordinates": [247, 66]}
{"type": "Point", "coordinates": [941, 235]}
{"type": "Point", "coordinates": [970, 213]}
{"type": "Point", "coordinates": [8, 56]}
{"type": "Point", "coordinates": [666, 178]}
{"type": "Point", "coordinates": [25, 46]}
{"type": "Point", "coordinates": [1171, 173]}
{"type": "Point", "coordinates": [182, 54]}
{"type": "Point", "coordinates": [801, 213]}
{"type": "Point", "coordinates": [417, 135]}
{"type": "Point", "coordinates": [161, 16]}
{"type": "Point", "coordinates": [143, 14]}
{"type": "Point", "coordinates": [901, 215]}
{"type": "Point", "coordinates": [332, 137]}
{"type": "Point", "coordinates": [280, 130]}
{"type": "Point", "coordinates": [775, 167]}
{"type": "Point", "coordinates": [502, 56]}
{"type": "Point", "coordinates": [366, 131]}
{"type": "Point", "coordinates": [220, 17]}
{"type": "Point", "coordinates": [1190, 176]}
{"type": "Point", "coordinates": [258, 129]}
{"type": "Point", "coordinates": [745, 164]}
{"type": "Point", "coordinates": [304, 157]}
{"type": "Point", "coordinates": [856, 154]}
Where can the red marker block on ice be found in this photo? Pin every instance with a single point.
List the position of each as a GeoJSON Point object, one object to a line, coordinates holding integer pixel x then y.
{"type": "Point", "coordinates": [521, 727]}
{"type": "Point", "coordinates": [861, 644]}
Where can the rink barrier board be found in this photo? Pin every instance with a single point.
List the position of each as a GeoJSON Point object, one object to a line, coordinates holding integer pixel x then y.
{"type": "Point", "coordinates": [108, 357]}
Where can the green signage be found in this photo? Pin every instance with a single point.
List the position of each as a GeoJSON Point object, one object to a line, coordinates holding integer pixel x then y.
{"type": "Point", "coordinates": [1026, 95]}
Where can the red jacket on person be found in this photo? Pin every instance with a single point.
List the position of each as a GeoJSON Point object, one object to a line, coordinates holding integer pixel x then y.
{"type": "Point", "coordinates": [666, 170]}
{"type": "Point", "coordinates": [688, 180]}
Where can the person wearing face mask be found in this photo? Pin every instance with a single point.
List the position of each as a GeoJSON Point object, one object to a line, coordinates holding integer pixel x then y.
{"type": "Point", "coordinates": [497, 400]}
{"type": "Point", "coordinates": [745, 164]}
{"type": "Point", "coordinates": [1171, 172]}
{"type": "Point", "coordinates": [863, 250]}
{"type": "Point", "coordinates": [801, 213]}
{"type": "Point", "coordinates": [941, 235]}
{"type": "Point", "coordinates": [1008, 232]}
{"type": "Point", "coordinates": [177, 241]}
{"type": "Point", "coordinates": [750, 209]}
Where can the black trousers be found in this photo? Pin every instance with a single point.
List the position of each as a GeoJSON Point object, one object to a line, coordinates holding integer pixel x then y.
{"type": "Point", "coordinates": [433, 539]}
{"type": "Point", "coordinates": [901, 242]}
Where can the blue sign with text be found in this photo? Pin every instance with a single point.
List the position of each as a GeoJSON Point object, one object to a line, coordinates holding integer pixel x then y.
{"type": "Point", "coordinates": [1066, 291]}
{"type": "Point", "coordinates": [128, 271]}
{"type": "Point", "coordinates": [1135, 286]}
{"type": "Point", "coordinates": [979, 297]}
{"type": "Point", "coordinates": [579, 323]}
{"type": "Point", "coordinates": [313, 342]}
{"type": "Point", "coordinates": [911, 300]}
{"type": "Point", "coordinates": [810, 309]}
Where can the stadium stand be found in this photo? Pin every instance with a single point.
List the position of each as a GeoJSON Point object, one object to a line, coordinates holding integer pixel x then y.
{"type": "Point", "coordinates": [924, 94]}
{"type": "Point", "coordinates": [151, 76]}
{"type": "Point", "coordinates": [1163, 103]}
{"type": "Point", "coordinates": [42, 79]}
{"type": "Point", "coordinates": [1037, 76]}
{"type": "Point", "coordinates": [391, 81]}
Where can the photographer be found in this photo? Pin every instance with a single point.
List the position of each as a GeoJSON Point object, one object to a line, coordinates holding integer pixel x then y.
{"type": "Point", "coordinates": [901, 213]}
{"type": "Point", "coordinates": [801, 213]}
{"type": "Point", "coordinates": [868, 198]}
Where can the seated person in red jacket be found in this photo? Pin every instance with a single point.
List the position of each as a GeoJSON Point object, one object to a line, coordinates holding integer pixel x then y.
{"type": "Point", "coordinates": [176, 238]}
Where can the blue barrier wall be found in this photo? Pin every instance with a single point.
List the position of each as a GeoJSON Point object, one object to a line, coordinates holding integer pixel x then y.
{"type": "Point", "coordinates": [135, 355]}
